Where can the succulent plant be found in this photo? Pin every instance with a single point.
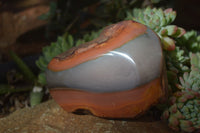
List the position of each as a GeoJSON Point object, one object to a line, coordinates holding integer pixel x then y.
{"type": "Point", "coordinates": [153, 18]}
{"type": "Point", "coordinates": [54, 49]}
{"type": "Point", "coordinates": [190, 40]}
{"type": "Point", "coordinates": [49, 52]}
{"type": "Point", "coordinates": [159, 21]}
{"type": "Point", "coordinates": [184, 111]}
{"type": "Point", "coordinates": [191, 80]}
{"type": "Point", "coordinates": [177, 60]}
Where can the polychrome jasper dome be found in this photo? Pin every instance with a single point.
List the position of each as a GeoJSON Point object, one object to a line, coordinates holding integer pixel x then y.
{"type": "Point", "coordinates": [121, 68]}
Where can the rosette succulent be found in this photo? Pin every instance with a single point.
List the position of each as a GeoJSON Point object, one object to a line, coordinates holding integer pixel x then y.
{"type": "Point", "coordinates": [191, 81]}
{"type": "Point", "coordinates": [184, 111]}
{"type": "Point", "coordinates": [177, 60]}
{"type": "Point", "coordinates": [159, 21]}
{"type": "Point", "coordinates": [190, 41]}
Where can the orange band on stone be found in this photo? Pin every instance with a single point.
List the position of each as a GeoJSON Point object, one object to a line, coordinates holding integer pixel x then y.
{"type": "Point", "coordinates": [125, 104]}
{"type": "Point", "coordinates": [123, 32]}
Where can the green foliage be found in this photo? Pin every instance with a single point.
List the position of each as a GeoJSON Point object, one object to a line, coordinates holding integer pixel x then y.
{"type": "Point", "coordinates": [172, 31]}
{"type": "Point", "coordinates": [23, 67]}
{"type": "Point", "coordinates": [180, 61]}
{"type": "Point", "coordinates": [42, 78]}
{"type": "Point", "coordinates": [191, 80]}
{"type": "Point", "coordinates": [36, 96]}
{"type": "Point", "coordinates": [185, 67]}
{"type": "Point", "coordinates": [184, 112]}
{"type": "Point", "coordinates": [159, 20]}
{"type": "Point", "coordinates": [7, 89]}
{"type": "Point", "coordinates": [153, 18]}
{"type": "Point", "coordinates": [61, 45]}
{"type": "Point", "coordinates": [195, 61]}
{"type": "Point", "coordinates": [191, 41]}
{"type": "Point", "coordinates": [54, 49]}
{"type": "Point", "coordinates": [177, 60]}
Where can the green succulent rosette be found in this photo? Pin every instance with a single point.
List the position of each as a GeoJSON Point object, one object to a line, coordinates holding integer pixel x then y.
{"type": "Point", "coordinates": [184, 112]}
{"type": "Point", "coordinates": [191, 80]}
{"type": "Point", "coordinates": [159, 20]}
{"type": "Point", "coordinates": [190, 41]}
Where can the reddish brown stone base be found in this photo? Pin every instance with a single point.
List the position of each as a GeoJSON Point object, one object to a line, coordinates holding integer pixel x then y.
{"type": "Point", "coordinates": [125, 104]}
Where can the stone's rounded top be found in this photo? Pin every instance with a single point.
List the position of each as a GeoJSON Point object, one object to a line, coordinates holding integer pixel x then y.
{"type": "Point", "coordinates": [125, 56]}
{"type": "Point", "coordinates": [112, 37]}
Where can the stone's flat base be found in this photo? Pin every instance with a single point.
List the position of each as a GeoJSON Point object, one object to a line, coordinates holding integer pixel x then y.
{"type": "Point", "coordinates": [123, 104]}
{"type": "Point", "coordinates": [48, 117]}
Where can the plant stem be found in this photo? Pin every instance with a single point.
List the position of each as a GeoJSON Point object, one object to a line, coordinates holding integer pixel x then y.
{"type": "Point", "coordinates": [4, 89]}
{"type": "Point", "coordinates": [23, 67]}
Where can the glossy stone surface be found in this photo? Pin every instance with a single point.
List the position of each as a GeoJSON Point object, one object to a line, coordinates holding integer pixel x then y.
{"type": "Point", "coordinates": [135, 63]}
{"type": "Point", "coordinates": [120, 74]}
{"type": "Point", "coordinates": [122, 104]}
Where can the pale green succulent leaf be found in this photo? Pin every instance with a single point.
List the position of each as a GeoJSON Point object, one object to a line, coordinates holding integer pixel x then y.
{"type": "Point", "coordinates": [190, 40]}
{"type": "Point", "coordinates": [188, 111]}
{"type": "Point", "coordinates": [170, 15]}
{"type": "Point", "coordinates": [168, 43]}
{"type": "Point", "coordinates": [191, 80]}
{"type": "Point", "coordinates": [172, 30]}
{"type": "Point", "coordinates": [42, 78]}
